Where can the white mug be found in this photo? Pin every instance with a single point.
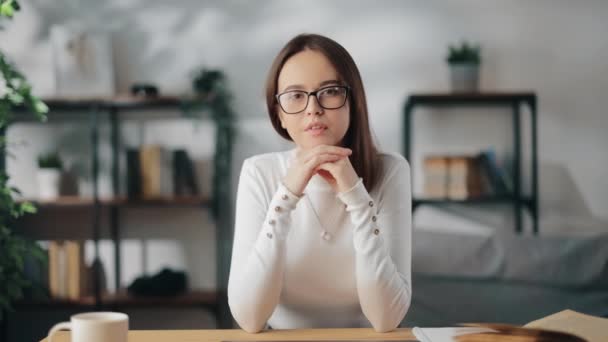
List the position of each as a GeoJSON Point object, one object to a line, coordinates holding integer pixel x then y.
{"type": "Point", "coordinates": [95, 327]}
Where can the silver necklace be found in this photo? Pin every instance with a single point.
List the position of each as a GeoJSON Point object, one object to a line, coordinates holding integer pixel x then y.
{"type": "Point", "coordinates": [325, 234]}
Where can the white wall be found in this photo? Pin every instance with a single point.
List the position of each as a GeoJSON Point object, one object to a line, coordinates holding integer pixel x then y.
{"type": "Point", "coordinates": [557, 48]}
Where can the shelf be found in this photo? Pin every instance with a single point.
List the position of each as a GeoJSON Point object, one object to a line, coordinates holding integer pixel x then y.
{"type": "Point", "coordinates": [489, 98]}
{"type": "Point", "coordinates": [81, 202]}
{"type": "Point", "coordinates": [513, 100]}
{"type": "Point", "coordinates": [115, 110]}
{"type": "Point", "coordinates": [477, 200]}
{"type": "Point", "coordinates": [118, 104]}
{"type": "Point", "coordinates": [193, 298]}
{"type": "Point", "coordinates": [121, 102]}
{"type": "Point", "coordinates": [471, 96]}
{"type": "Point", "coordinates": [122, 299]}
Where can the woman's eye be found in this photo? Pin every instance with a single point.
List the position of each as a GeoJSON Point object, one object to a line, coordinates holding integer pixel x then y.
{"type": "Point", "coordinates": [295, 96]}
{"type": "Point", "coordinates": [330, 91]}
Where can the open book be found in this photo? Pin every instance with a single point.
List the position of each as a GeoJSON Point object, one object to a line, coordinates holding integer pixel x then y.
{"type": "Point", "coordinates": [591, 328]}
{"type": "Point", "coordinates": [575, 326]}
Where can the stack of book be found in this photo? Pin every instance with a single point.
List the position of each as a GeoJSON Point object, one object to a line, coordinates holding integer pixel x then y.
{"type": "Point", "coordinates": [68, 274]}
{"type": "Point", "coordinates": [155, 172]}
{"type": "Point", "coordinates": [464, 176]}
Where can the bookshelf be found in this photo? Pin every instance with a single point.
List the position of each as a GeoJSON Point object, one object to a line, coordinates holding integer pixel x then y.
{"type": "Point", "coordinates": [122, 201]}
{"type": "Point", "coordinates": [475, 200]}
{"type": "Point", "coordinates": [512, 100]}
{"type": "Point", "coordinates": [206, 299]}
{"type": "Point", "coordinates": [92, 110]}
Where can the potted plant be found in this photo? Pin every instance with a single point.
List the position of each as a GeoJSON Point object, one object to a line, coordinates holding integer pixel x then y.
{"type": "Point", "coordinates": [464, 61]}
{"type": "Point", "coordinates": [49, 175]}
{"type": "Point", "coordinates": [15, 251]}
{"type": "Point", "coordinates": [207, 83]}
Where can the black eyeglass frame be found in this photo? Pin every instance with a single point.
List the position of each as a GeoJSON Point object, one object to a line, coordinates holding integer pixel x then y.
{"type": "Point", "coordinates": [347, 88]}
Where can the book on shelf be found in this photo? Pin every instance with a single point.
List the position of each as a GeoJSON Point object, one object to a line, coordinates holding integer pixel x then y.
{"type": "Point", "coordinates": [57, 267]}
{"type": "Point", "coordinates": [500, 182]}
{"type": "Point", "coordinates": [184, 179]}
{"type": "Point", "coordinates": [68, 274]}
{"type": "Point", "coordinates": [435, 176]}
{"type": "Point", "coordinates": [133, 173]}
{"type": "Point", "coordinates": [460, 177]}
{"type": "Point", "coordinates": [464, 178]}
{"type": "Point", "coordinates": [155, 168]}
{"type": "Point", "coordinates": [76, 269]}
{"type": "Point", "coordinates": [155, 172]}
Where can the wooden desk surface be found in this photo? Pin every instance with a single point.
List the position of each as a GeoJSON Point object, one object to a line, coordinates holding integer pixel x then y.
{"type": "Point", "coordinates": [270, 335]}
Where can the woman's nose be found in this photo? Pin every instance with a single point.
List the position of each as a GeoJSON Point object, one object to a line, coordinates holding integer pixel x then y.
{"type": "Point", "coordinates": [313, 106]}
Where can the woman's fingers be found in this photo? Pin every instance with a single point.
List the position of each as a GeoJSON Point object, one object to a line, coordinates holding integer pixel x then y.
{"type": "Point", "coordinates": [327, 149]}
{"type": "Point", "coordinates": [307, 162]}
{"type": "Point", "coordinates": [314, 162]}
{"type": "Point", "coordinates": [327, 176]}
{"type": "Point", "coordinates": [333, 149]}
{"type": "Point", "coordinates": [330, 167]}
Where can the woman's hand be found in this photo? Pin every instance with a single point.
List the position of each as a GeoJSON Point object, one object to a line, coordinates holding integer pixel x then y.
{"type": "Point", "coordinates": [307, 163]}
{"type": "Point", "coordinates": [339, 174]}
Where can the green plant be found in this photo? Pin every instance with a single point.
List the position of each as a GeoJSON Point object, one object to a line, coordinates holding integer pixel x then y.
{"type": "Point", "coordinates": [466, 53]}
{"type": "Point", "coordinates": [216, 98]}
{"type": "Point", "coordinates": [50, 161]}
{"type": "Point", "coordinates": [14, 249]}
{"type": "Point", "coordinates": [207, 81]}
{"type": "Point", "coordinates": [8, 8]}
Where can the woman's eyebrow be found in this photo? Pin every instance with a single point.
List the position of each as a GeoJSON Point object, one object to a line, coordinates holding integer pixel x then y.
{"type": "Point", "coordinates": [299, 86]}
{"type": "Point", "coordinates": [328, 82]}
{"type": "Point", "coordinates": [294, 86]}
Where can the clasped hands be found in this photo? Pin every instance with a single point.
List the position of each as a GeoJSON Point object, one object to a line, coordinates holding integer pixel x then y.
{"type": "Point", "coordinates": [330, 162]}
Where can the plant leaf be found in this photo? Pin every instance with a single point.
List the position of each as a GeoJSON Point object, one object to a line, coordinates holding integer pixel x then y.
{"type": "Point", "coordinates": [29, 208]}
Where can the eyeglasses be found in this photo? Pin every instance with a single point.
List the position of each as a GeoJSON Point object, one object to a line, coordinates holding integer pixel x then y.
{"type": "Point", "coordinates": [295, 101]}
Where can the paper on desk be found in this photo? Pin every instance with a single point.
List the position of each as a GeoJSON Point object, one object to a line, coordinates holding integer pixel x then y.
{"type": "Point", "coordinates": [591, 328]}
{"type": "Point", "coordinates": [445, 334]}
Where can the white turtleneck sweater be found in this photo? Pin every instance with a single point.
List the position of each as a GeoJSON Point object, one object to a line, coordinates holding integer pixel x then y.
{"type": "Point", "coordinates": [322, 259]}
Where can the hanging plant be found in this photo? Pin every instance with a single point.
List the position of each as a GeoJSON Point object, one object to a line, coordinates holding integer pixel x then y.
{"type": "Point", "coordinates": [15, 91]}
{"type": "Point", "coordinates": [214, 97]}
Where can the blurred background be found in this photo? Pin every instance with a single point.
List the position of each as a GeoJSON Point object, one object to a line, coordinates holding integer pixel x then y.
{"type": "Point", "coordinates": [153, 106]}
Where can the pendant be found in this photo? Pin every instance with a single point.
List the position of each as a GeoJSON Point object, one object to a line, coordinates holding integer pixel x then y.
{"type": "Point", "coordinates": [326, 235]}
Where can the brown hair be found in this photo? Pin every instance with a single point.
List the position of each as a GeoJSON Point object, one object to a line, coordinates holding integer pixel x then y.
{"type": "Point", "coordinates": [358, 136]}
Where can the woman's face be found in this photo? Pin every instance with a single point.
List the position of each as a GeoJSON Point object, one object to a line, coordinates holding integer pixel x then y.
{"type": "Point", "coordinates": [309, 71]}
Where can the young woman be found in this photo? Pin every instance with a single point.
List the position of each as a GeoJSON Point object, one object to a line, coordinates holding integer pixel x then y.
{"type": "Point", "coordinates": [323, 231]}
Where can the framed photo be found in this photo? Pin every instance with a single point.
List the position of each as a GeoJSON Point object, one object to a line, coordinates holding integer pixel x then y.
{"type": "Point", "coordinates": [83, 62]}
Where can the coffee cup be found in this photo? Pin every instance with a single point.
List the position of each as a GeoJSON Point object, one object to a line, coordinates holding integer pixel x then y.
{"type": "Point", "coordinates": [95, 327]}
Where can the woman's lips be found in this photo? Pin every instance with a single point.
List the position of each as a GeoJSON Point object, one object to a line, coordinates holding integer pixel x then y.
{"type": "Point", "coordinates": [316, 130]}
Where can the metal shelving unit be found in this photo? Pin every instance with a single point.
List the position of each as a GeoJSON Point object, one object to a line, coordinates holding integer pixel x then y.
{"type": "Point", "coordinates": [515, 100]}
{"type": "Point", "coordinates": [92, 109]}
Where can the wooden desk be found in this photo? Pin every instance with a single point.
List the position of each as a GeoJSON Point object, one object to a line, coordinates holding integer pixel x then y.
{"type": "Point", "coordinates": [271, 335]}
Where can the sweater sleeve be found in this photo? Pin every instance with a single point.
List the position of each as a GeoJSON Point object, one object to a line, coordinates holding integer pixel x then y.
{"type": "Point", "coordinates": [258, 253]}
{"type": "Point", "coordinates": [382, 242]}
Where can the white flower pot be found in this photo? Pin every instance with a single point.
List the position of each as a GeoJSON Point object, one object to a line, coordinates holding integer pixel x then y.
{"type": "Point", "coordinates": [48, 183]}
{"type": "Point", "coordinates": [464, 77]}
